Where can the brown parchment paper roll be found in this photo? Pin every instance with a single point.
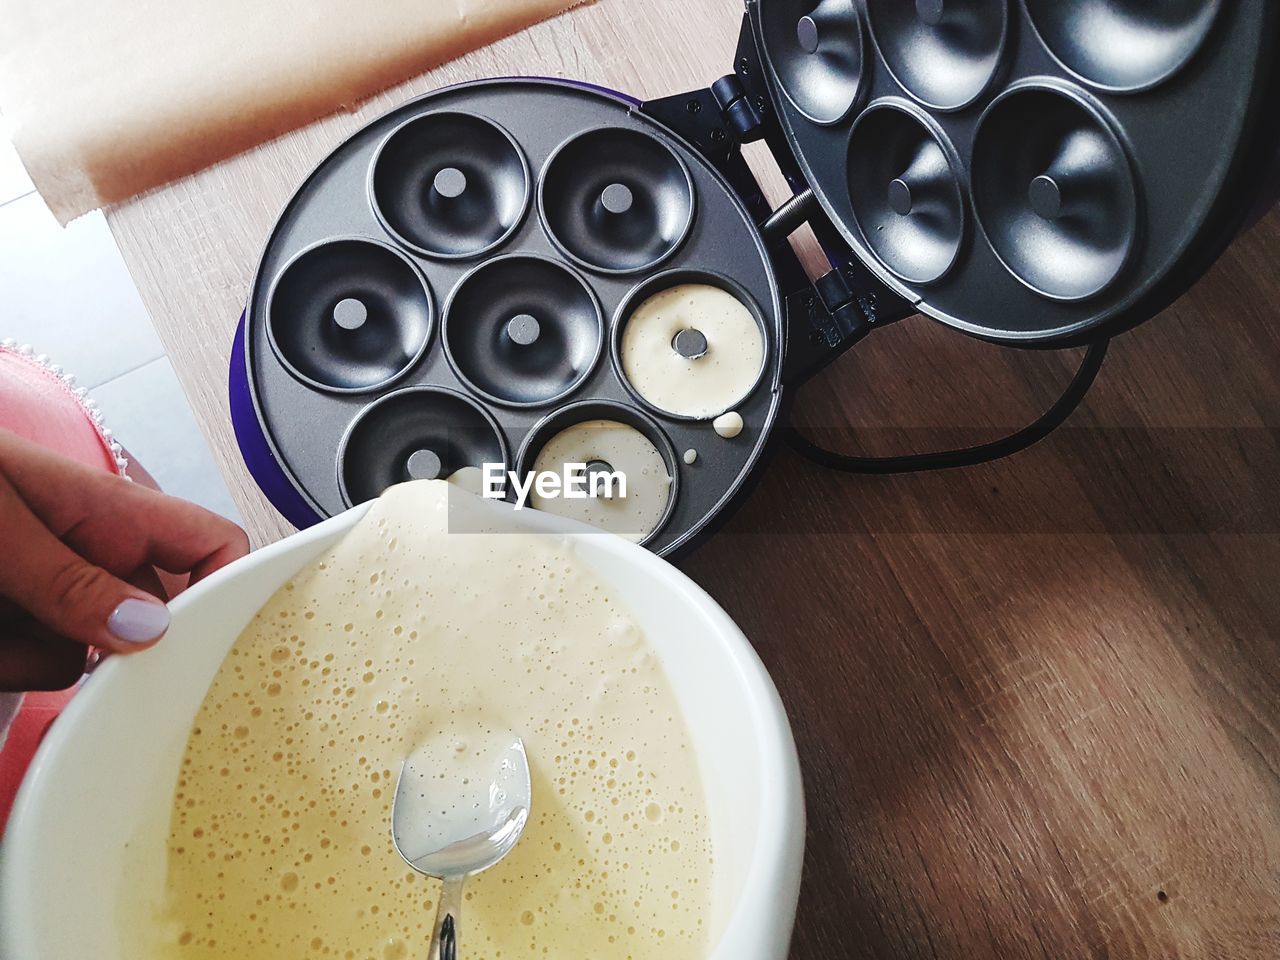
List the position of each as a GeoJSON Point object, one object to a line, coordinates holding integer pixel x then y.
{"type": "Point", "coordinates": [109, 98]}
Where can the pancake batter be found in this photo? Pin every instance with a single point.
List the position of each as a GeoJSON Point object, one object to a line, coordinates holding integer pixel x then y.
{"type": "Point", "coordinates": [627, 451]}
{"type": "Point", "coordinates": [713, 365]}
{"type": "Point", "coordinates": [280, 839]}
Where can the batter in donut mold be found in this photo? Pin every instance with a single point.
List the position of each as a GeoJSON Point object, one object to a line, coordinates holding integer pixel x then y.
{"type": "Point", "coordinates": [693, 350]}
{"type": "Point", "coordinates": [627, 451]}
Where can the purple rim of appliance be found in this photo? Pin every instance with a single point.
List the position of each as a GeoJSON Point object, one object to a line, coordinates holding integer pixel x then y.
{"type": "Point", "coordinates": [267, 471]}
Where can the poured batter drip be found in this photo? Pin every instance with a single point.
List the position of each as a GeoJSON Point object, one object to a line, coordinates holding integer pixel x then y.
{"type": "Point", "coordinates": [627, 451]}
{"type": "Point", "coordinates": [470, 479]}
{"type": "Point", "coordinates": [693, 350]}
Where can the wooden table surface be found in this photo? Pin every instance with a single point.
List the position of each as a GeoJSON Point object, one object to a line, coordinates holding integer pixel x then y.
{"type": "Point", "coordinates": [1037, 703]}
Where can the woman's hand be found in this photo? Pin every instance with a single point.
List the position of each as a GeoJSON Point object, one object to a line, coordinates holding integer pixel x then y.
{"type": "Point", "coordinates": [81, 559]}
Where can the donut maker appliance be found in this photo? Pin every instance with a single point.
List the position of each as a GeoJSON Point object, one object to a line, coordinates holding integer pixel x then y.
{"type": "Point", "coordinates": [447, 287]}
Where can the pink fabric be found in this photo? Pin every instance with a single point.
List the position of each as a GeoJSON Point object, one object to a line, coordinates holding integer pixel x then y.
{"type": "Point", "coordinates": [37, 713]}
{"type": "Point", "coordinates": [37, 404]}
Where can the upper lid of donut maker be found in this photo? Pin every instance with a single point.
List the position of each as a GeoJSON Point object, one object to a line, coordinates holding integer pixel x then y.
{"type": "Point", "coordinates": [1035, 172]}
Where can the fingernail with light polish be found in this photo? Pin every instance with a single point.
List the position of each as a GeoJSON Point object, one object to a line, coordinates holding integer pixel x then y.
{"type": "Point", "coordinates": [138, 621]}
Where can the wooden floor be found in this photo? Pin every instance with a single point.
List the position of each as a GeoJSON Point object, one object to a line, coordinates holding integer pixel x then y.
{"type": "Point", "coordinates": [1037, 703]}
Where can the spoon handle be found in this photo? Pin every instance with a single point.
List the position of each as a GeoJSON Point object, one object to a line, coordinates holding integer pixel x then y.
{"type": "Point", "coordinates": [444, 938]}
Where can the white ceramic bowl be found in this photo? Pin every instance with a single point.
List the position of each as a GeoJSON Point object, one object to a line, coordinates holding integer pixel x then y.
{"type": "Point", "coordinates": [97, 799]}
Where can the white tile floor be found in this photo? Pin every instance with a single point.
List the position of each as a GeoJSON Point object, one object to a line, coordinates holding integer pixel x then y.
{"type": "Point", "coordinates": [68, 294]}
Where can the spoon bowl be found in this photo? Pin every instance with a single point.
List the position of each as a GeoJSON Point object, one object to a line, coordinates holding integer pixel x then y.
{"type": "Point", "coordinates": [458, 810]}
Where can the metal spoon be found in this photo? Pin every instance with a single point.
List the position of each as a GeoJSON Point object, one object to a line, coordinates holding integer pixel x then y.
{"type": "Point", "coordinates": [458, 811]}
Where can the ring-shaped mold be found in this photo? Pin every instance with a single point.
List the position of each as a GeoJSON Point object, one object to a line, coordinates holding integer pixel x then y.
{"type": "Point", "coordinates": [944, 53]}
{"type": "Point", "coordinates": [584, 411]}
{"type": "Point", "coordinates": [666, 281]}
{"type": "Point", "coordinates": [1123, 46]}
{"type": "Point", "coordinates": [1054, 191]}
{"type": "Point", "coordinates": [905, 191]}
{"type": "Point", "coordinates": [523, 330]}
{"type": "Point", "coordinates": [418, 433]}
{"type": "Point", "coordinates": [816, 50]}
{"type": "Point", "coordinates": [449, 185]}
{"type": "Point", "coordinates": [349, 315]}
{"type": "Point", "coordinates": [616, 200]}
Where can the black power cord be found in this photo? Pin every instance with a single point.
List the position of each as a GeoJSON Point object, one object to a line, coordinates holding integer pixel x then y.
{"type": "Point", "coordinates": [1030, 435]}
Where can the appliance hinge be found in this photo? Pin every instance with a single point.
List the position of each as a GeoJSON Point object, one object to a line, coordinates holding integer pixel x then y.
{"type": "Point", "coordinates": [741, 114]}
{"type": "Point", "coordinates": [717, 120]}
{"type": "Point", "coordinates": [695, 116]}
{"type": "Point", "coordinates": [840, 308]}
{"type": "Point", "coordinates": [732, 111]}
{"type": "Point", "coordinates": [851, 313]}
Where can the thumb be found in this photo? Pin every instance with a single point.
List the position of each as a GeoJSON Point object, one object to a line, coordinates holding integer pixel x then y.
{"type": "Point", "coordinates": [70, 595]}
